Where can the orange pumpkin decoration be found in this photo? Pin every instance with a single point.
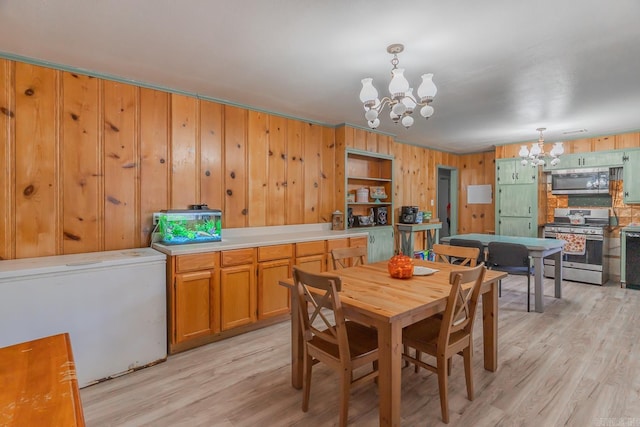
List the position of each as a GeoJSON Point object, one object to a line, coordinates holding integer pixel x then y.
{"type": "Point", "coordinates": [400, 267]}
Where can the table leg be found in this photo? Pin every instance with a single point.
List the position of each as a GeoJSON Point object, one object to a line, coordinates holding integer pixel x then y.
{"type": "Point", "coordinates": [390, 367]}
{"type": "Point", "coordinates": [406, 242]}
{"type": "Point", "coordinates": [490, 327]}
{"type": "Point", "coordinates": [558, 273]}
{"type": "Point", "coordinates": [296, 343]}
{"type": "Point", "coordinates": [538, 288]}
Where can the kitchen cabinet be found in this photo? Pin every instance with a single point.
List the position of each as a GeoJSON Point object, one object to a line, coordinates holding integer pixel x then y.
{"type": "Point", "coordinates": [274, 264]}
{"type": "Point", "coordinates": [609, 158]}
{"type": "Point", "coordinates": [519, 206]}
{"type": "Point", "coordinates": [193, 298]}
{"type": "Point", "coordinates": [631, 176]}
{"type": "Point", "coordinates": [312, 256]}
{"type": "Point", "coordinates": [351, 242]}
{"type": "Point", "coordinates": [512, 171]}
{"type": "Point", "coordinates": [381, 243]}
{"type": "Point", "coordinates": [238, 296]}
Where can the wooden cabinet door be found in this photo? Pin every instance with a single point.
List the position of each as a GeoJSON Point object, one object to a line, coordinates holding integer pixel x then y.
{"type": "Point", "coordinates": [195, 305]}
{"type": "Point", "coordinates": [313, 263]}
{"type": "Point", "coordinates": [517, 200]}
{"type": "Point", "coordinates": [238, 296]}
{"type": "Point", "coordinates": [381, 244]}
{"type": "Point", "coordinates": [273, 299]}
{"type": "Point", "coordinates": [517, 226]}
{"type": "Point", "coordinates": [505, 171]}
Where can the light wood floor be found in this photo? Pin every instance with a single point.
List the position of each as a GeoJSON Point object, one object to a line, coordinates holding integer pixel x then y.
{"type": "Point", "coordinates": [576, 364]}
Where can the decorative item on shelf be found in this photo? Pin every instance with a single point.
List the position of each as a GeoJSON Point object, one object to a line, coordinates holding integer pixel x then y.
{"type": "Point", "coordinates": [409, 214]}
{"type": "Point", "coordinates": [380, 214]}
{"type": "Point", "coordinates": [337, 220]}
{"type": "Point", "coordinates": [536, 155]}
{"type": "Point", "coordinates": [402, 101]}
{"type": "Point", "coordinates": [400, 267]}
{"type": "Point", "coordinates": [364, 221]}
{"type": "Point", "coordinates": [426, 215]}
{"type": "Point", "coordinates": [419, 217]}
{"type": "Point", "coordinates": [350, 218]}
{"type": "Point", "coordinates": [377, 193]}
{"type": "Point", "coordinates": [351, 197]}
{"type": "Point", "coordinates": [362, 195]}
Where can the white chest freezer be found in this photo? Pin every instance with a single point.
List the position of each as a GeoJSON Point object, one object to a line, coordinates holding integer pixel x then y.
{"type": "Point", "coordinates": [112, 304]}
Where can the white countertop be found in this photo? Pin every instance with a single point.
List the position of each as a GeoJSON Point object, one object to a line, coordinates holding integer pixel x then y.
{"type": "Point", "coordinates": [251, 237]}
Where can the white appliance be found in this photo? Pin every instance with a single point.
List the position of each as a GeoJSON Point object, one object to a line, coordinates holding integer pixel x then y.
{"type": "Point", "coordinates": [112, 304]}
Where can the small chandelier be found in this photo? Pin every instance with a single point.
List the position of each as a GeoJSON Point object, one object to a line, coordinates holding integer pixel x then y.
{"type": "Point", "coordinates": [535, 156]}
{"type": "Point", "coordinates": [402, 101]}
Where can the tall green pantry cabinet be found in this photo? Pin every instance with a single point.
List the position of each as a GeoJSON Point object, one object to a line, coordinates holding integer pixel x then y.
{"type": "Point", "coordinates": [520, 201]}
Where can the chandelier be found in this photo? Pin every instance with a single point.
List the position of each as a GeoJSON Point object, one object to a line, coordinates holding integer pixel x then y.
{"type": "Point", "coordinates": [536, 155]}
{"type": "Point", "coordinates": [402, 102]}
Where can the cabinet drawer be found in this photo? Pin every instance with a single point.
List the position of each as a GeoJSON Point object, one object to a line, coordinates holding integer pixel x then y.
{"type": "Point", "coordinates": [310, 248]}
{"type": "Point", "coordinates": [358, 242]}
{"type": "Point", "coordinates": [238, 257]}
{"type": "Point", "coordinates": [268, 253]}
{"type": "Point", "coordinates": [196, 262]}
{"type": "Point", "coordinates": [337, 243]}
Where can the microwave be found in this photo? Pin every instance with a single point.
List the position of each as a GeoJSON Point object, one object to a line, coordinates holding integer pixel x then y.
{"type": "Point", "coordinates": [580, 181]}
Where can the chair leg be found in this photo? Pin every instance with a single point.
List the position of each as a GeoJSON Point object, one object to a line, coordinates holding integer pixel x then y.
{"type": "Point", "coordinates": [345, 385]}
{"type": "Point", "coordinates": [468, 371]}
{"type": "Point", "coordinates": [418, 357]}
{"type": "Point", "coordinates": [529, 291]}
{"type": "Point", "coordinates": [308, 363]}
{"type": "Point", "coordinates": [499, 288]}
{"type": "Point", "coordinates": [442, 385]}
{"type": "Point", "coordinates": [449, 365]}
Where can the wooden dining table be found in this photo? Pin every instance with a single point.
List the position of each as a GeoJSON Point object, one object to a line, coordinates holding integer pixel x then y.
{"type": "Point", "coordinates": [372, 297]}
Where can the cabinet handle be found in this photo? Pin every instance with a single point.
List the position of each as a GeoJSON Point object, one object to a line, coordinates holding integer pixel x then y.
{"type": "Point", "coordinates": [513, 176]}
{"type": "Point", "coordinates": [626, 194]}
{"type": "Point", "coordinates": [517, 176]}
{"type": "Point", "coordinates": [529, 225]}
{"type": "Point", "coordinates": [529, 211]}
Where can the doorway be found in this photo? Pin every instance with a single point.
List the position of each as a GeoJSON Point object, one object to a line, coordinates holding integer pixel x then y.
{"type": "Point", "coordinates": [447, 197]}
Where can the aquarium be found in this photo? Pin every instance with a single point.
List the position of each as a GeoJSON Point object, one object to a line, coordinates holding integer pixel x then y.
{"type": "Point", "coordinates": [177, 227]}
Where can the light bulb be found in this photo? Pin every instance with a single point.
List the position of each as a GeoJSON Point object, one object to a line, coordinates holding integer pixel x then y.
{"type": "Point", "coordinates": [371, 115]}
{"type": "Point", "coordinates": [426, 111]}
{"type": "Point", "coordinates": [399, 109]}
{"type": "Point", "coordinates": [524, 162]}
{"type": "Point", "coordinates": [555, 162]}
{"type": "Point", "coordinates": [407, 121]}
{"type": "Point", "coordinates": [393, 116]}
{"type": "Point", "coordinates": [374, 124]}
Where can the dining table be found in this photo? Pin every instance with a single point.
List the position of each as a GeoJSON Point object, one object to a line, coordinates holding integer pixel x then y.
{"type": "Point", "coordinates": [538, 248]}
{"type": "Point", "coordinates": [369, 295]}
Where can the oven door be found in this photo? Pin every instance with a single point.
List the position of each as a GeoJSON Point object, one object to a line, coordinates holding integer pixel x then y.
{"type": "Point", "coordinates": [592, 258]}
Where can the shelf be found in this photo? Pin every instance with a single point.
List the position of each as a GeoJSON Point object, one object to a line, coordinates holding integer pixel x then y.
{"type": "Point", "coordinates": [364, 178]}
{"type": "Point", "coordinates": [369, 203]}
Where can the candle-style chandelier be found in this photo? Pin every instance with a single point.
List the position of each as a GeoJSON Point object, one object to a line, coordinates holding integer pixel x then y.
{"type": "Point", "coordinates": [402, 102]}
{"type": "Point", "coordinates": [535, 156]}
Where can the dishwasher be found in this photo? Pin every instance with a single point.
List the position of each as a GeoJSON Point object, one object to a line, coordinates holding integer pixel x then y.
{"type": "Point", "coordinates": [630, 240]}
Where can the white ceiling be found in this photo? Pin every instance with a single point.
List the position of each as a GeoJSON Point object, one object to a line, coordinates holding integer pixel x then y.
{"type": "Point", "coordinates": [502, 67]}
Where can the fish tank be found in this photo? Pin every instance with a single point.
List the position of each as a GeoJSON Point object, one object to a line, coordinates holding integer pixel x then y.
{"type": "Point", "coordinates": [179, 227]}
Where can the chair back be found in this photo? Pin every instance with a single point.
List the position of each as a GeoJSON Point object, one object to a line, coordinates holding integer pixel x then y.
{"type": "Point", "coordinates": [465, 256]}
{"type": "Point", "coordinates": [508, 255]}
{"type": "Point", "coordinates": [321, 317]}
{"type": "Point", "coordinates": [348, 257]}
{"type": "Point", "coordinates": [461, 304]}
{"type": "Point", "coordinates": [470, 244]}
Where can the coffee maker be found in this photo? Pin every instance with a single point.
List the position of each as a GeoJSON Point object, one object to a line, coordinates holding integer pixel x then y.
{"type": "Point", "coordinates": [409, 215]}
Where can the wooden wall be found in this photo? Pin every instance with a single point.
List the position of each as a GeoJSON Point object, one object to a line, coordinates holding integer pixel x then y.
{"type": "Point", "coordinates": [476, 169]}
{"type": "Point", "coordinates": [85, 162]}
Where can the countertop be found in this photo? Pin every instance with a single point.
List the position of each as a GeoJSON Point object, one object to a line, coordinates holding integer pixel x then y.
{"type": "Point", "coordinates": [251, 237]}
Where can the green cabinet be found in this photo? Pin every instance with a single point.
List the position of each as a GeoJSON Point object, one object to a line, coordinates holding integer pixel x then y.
{"type": "Point", "coordinates": [631, 176]}
{"type": "Point", "coordinates": [381, 243]}
{"type": "Point", "coordinates": [512, 171]}
{"type": "Point", "coordinates": [611, 158]}
{"type": "Point", "coordinates": [516, 198]}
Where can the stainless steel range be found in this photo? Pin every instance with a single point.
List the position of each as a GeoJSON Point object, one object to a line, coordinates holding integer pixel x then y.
{"type": "Point", "coordinates": [585, 251]}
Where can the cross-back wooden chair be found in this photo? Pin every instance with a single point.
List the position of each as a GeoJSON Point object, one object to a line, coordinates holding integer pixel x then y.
{"type": "Point", "coordinates": [462, 255]}
{"type": "Point", "coordinates": [443, 337]}
{"type": "Point", "coordinates": [342, 345]}
{"type": "Point", "coordinates": [348, 257]}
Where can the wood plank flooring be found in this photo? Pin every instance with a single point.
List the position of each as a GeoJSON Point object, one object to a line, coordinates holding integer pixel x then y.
{"type": "Point", "coordinates": [576, 364]}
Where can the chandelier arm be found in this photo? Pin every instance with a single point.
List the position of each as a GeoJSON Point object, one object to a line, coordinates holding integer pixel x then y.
{"type": "Point", "coordinates": [384, 101]}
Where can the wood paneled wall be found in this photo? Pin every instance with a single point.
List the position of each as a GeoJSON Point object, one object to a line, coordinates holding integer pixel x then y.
{"type": "Point", "coordinates": [476, 169]}
{"type": "Point", "coordinates": [86, 161]}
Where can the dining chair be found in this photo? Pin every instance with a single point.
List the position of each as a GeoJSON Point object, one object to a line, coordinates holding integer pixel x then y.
{"type": "Point", "coordinates": [460, 255]}
{"type": "Point", "coordinates": [342, 345]}
{"type": "Point", "coordinates": [470, 244]}
{"type": "Point", "coordinates": [348, 257]}
{"type": "Point", "coordinates": [512, 258]}
{"type": "Point", "coordinates": [444, 336]}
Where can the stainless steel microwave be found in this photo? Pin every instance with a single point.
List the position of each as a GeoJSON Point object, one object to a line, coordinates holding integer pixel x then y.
{"type": "Point", "coordinates": [580, 181]}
